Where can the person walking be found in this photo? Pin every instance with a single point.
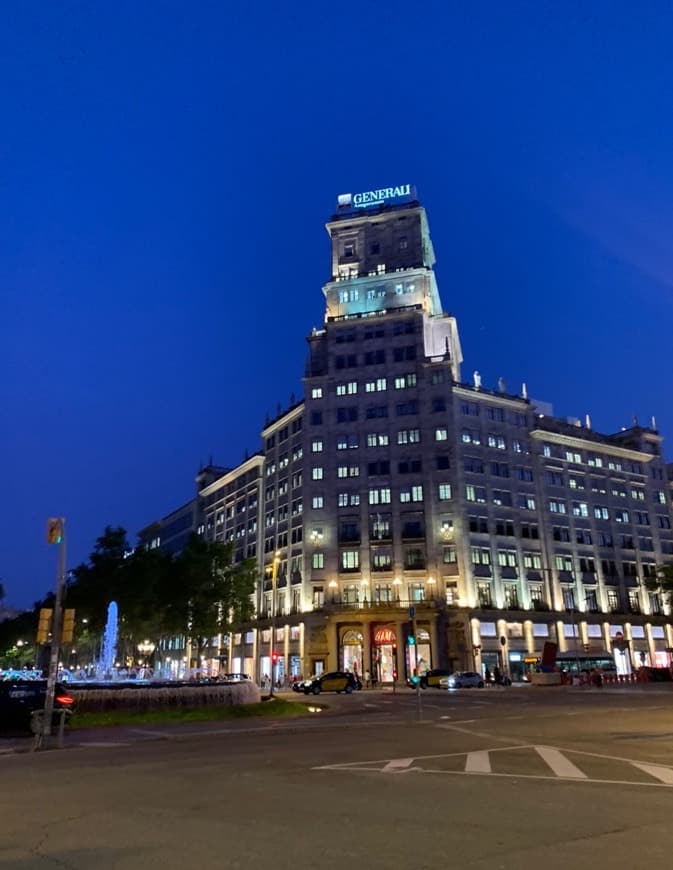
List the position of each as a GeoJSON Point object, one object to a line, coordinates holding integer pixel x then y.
{"type": "Point", "coordinates": [487, 676]}
{"type": "Point", "coordinates": [368, 679]}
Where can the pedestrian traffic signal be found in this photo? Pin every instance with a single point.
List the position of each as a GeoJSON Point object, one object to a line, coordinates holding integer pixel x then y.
{"type": "Point", "coordinates": [68, 630]}
{"type": "Point", "coordinates": [412, 640]}
{"type": "Point", "coordinates": [44, 624]}
{"type": "Point", "coordinates": [54, 530]}
{"type": "Point", "coordinates": [274, 657]}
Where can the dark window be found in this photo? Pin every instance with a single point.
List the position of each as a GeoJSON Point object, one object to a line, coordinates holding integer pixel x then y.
{"type": "Point", "coordinates": [375, 357]}
{"type": "Point", "coordinates": [347, 415]}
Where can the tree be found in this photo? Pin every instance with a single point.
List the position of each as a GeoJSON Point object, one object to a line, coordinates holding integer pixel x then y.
{"type": "Point", "coordinates": [209, 591]}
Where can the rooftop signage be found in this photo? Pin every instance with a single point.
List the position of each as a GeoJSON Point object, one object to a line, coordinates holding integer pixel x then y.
{"type": "Point", "coordinates": [369, 198]}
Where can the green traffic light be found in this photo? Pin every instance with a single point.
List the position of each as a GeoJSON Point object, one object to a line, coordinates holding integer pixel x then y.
{"type": "Point", "coordinates": [412, 641]}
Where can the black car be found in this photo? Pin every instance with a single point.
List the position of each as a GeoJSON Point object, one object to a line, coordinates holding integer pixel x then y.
{"type": "Point", "coordinates": [18, 699]}
{"type": "Point", "coordinates": [334, 681]}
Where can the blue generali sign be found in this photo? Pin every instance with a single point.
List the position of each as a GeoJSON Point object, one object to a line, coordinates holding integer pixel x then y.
{"type": "Point", "coordinates": [375, 197]}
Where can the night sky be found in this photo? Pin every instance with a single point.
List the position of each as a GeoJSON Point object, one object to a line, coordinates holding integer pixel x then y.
{"type": "Point", "coordinates": [166, 170]}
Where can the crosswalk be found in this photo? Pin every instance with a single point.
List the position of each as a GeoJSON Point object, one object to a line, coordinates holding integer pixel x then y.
{"type": "Point", "coordinates": [536, 762]}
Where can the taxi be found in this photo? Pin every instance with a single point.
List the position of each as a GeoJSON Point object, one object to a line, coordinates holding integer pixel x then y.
{"type": "Point", "coordinates": [429, 679]}
{"type": "Point", "coordinates": [334, 681]}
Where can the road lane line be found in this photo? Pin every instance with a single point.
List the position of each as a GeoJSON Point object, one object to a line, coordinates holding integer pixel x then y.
{"type": "Point", "coordinates": [664, 774]}
{"type": "Point", "coordinates": [559, 763]}
{"type": "Point", "coordinates": [478, 762]}
{"type": "Point", "coordinates": [397, 764]}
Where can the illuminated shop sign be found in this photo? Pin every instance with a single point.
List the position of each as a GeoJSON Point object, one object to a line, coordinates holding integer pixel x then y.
{"type": "Point", "coordinates": [375, 197]}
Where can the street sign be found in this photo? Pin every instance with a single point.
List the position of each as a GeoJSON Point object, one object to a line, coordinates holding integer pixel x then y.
{"type": "Point", "coordinates": [412, 612]}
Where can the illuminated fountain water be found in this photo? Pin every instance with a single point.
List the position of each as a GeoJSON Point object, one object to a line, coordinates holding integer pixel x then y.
{"type": "Point", "coordinates": [105, 665]}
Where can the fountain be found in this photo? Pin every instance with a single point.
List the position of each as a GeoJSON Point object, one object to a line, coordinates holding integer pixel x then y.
{"type": "Point", "coordinates": [105, 665]}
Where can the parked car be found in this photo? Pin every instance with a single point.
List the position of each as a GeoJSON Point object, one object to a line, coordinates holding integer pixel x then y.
{"type": "Point", "coordinates": [18, 699]}
{"type": "Point", "coordinates": [462, 680]}
{"type": "Point", "coordinates": [234, 678]}
{"type": "Point", "coordinates": [335, 681]}
{"type": "Point", "coordinates": [430, 679]}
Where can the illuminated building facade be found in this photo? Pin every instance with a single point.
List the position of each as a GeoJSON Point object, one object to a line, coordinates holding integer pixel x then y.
{"type": "Point", "coordinates": [394, 491]}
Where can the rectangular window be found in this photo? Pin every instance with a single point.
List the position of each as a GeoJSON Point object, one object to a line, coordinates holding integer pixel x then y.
{"type": "Point", "coordinates": [449, 555]}
{"type": "Point", "coordinates": [480, 555]}
{"type": "Point", "coordinates": [350, 560]}
{"type": "Point", "coordinates": [402, 382]}
{"type": "Point", "coordinates": [317, 473]}
{"type": "Point", "coordinates": [444, 491]}
{"type": "Point", "coordinates": [316, 445]}
{"type": "Point", "coordinates": [380, 496]}
{"type": "Point", "coordinates": [441, 434]}
{"type": "Point", "coordinates": [376, 386]}
{"type": "Point", "coordinates": [318, 560]}
{"type": "Point", "coordinates": [408, 436]}
{"type": "Point", "coordinates": [349, 388]}
{"type": "Point", "coordinates": [318, 502]}
{"type": "Point", "coordinates": [411, 494]}
{"type": "Point", "coordinates": [404, 409]}
{"type": "Point", "coordinates": [377, 439]}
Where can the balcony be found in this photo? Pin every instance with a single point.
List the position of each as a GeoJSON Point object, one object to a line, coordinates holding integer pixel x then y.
{"type": "Point", "coordinates": [401, 604]}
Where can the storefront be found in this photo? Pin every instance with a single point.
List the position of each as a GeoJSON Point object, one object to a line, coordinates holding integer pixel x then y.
{"type": "Point", "coordinates": [384, 657]}
{"type": "Point", "coordinates": [352, 651]}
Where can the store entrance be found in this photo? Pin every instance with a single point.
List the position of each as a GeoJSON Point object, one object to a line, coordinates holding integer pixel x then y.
{"type": "Point", "coordinates": [352, 647]}
{"type": "Point", "coordinates": [385, 657]}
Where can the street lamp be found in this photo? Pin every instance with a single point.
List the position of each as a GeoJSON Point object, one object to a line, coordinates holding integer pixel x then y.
{"type": "Point", "coordinates": [274, 575]}
{"type": "Point", "coordinates": [146, 648]}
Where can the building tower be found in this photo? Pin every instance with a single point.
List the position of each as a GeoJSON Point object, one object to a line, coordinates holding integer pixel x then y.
{"type": "Point", "coordinates": [378, 466]}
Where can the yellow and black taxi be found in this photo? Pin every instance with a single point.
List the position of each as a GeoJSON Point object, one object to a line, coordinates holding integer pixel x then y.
{"type": "Point", "coordinates": [429, 679]}
{"type": "Point", "coordinates": [334, 681]}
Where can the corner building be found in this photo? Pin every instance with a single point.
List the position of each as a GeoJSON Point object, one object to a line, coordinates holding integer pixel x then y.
{"type": "Point", "coordinates": [424, 522]}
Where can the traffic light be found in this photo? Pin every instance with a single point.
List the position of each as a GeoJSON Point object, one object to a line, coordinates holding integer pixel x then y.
{"type": "Point", "coordinates": [68, 631]}
{"type": "Point", "coordinates": [274, 657]}
{"type": "Point", "coordinates": [44, 624]}
{"type": "Point", "coordinates": [412, 640]}
{"type": "Point", "coordinates": [54, 530]}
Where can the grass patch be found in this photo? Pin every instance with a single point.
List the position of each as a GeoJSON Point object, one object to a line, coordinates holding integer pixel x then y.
{"type": "Point", "coordinates": [273, 709]}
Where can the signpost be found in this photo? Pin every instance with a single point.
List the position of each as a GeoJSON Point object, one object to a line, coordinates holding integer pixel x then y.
{"type": "Point", "coordinates": [55, 535]}
{"type": "Point", "coordinates": [413, 641]}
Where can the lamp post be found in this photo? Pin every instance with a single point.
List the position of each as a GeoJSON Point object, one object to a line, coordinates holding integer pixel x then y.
{"type": "Point", "coordinates": [146, 648]}
{"type": "Point", "coordinates": [274, 575]}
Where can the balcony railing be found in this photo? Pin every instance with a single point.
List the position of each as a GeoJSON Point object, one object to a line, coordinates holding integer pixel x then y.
{"type": "Point", "coordinates": [338, 603]}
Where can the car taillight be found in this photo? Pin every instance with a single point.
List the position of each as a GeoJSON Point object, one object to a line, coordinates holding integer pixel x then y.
{"type": "Point", "coordinates": [65, 700]}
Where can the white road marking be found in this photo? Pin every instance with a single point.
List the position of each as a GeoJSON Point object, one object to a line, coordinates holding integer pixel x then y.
{"type": "Point", "coordinates": [665, 774]}
{"type": "Point", "coordinates": [397, 764]}
{"type": "Point", "coordinates": [559, 763]}
{"type": "Point", "coordinates": [478, 762]}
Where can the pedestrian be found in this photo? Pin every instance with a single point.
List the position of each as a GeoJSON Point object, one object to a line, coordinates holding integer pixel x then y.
{"type": "Point", "coordinates": [497, 676]}
{"type": "Point", "coordinates": [487, 676]}
{"type": "Point", "coordinates": [368, 679]}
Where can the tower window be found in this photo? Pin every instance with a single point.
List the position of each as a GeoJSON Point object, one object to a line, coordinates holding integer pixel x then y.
{"type": "Point", "coordinates": [349, 250]}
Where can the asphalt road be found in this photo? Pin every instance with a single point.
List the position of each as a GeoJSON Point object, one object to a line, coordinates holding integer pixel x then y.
{"type": "Point", "coordinates": [485, 780]}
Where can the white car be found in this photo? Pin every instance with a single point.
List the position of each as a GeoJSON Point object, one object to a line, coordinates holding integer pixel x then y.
{"type": "Point", "coordinates": [462, 680]}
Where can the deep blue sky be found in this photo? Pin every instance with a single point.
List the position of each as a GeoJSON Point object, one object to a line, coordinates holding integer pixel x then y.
{"type": "Point", "coordinates": [166, 170]}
